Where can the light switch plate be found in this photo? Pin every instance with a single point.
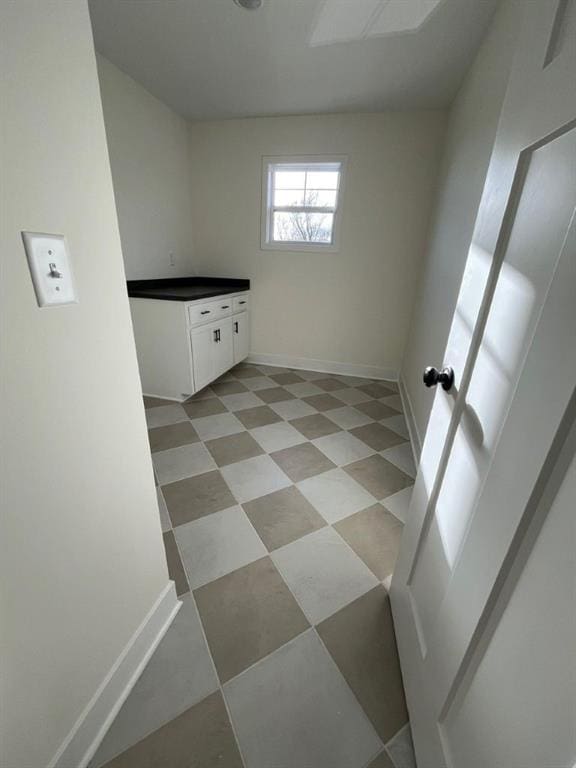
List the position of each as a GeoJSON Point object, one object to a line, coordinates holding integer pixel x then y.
{"type": "Point", "coordinates": [50, 267]}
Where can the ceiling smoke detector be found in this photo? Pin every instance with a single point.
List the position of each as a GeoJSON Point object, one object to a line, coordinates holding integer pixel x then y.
{"type": "Point", "coordinates": [249, 5]}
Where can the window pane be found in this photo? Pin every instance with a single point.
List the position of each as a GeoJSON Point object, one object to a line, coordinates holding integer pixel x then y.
{"type": "Point", "coordinates": [284, 197]}
{"type": "Point", "coordinates": [303, 227]}
{"type": "Point", "coordinates": [321, 198]}
{"type": "Point", "coordinates": [289, 179]}
{"type": "Point", "coordinates": [322, 179]}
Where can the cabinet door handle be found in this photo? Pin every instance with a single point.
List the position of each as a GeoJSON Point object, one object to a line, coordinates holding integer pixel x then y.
{"type": "Point", "coordinates": [217, 335]}
{"type": "Point", "coordinates": [205, 312]}
{"type": "Point", "coordinates": [236, 327]}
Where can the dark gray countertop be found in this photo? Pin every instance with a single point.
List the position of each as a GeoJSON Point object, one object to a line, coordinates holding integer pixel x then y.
{"type": "Point", "coordinates": [185, 288]}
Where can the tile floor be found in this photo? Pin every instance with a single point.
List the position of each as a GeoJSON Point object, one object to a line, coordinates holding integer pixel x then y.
{"type": "Point", "coordinates": [282, 496]}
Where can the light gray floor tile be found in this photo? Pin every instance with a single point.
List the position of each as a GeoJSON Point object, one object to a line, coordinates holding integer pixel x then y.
{"type": "Point", "coordinates": [241, 401]}
{"type": "Point", "coordinates": [255, 477]}
{"type": "Point", "coordinates": [179, 674]}
{"type": "Point", "coordinates": [402, 457]}
{"type": "Point", "coordinates": [335, 494]}
{"type": "Point", "coordinates": [394, 401]}
{"type": "Point", "coordinates": [399, 503]}
{"type": "Point", "coordinates": [348, 417]}
{"type": "Point", "coordinates": [259, 382]}
{"type": "Point", "coordinates": [352, 396]}
{"type": "Point", "coordinates": [185, 461]}
{"type": "Point", "coordinates": [291, 409]}
{"type": "Point", "coordinates": [165, 521]}
{"type": "Point", "coordinates": [401, 749]}
{"type": "Point", "coordinates": [219, 425]}
{"type": "Point", "coordinates": [397, 424]}
{"type": "Point", "coordinates": [294, 710]}
{"type": "Point", "coordinates": [323, 573]}
{"type": "Point", "coordinates": [343, 448]}
{"type": "Point", "coordinates": [303, 389]}
{"type": "Point", "coordinates": [165, 414]}
{"type": "Point", "coordinates": [275, 437]}
{"type": "Point", "coordinates": [217, 544]}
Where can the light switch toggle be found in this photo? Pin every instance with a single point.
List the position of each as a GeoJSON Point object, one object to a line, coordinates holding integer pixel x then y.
{"type": "Point", "coordinates": [50, 267]}
{"type": "Point", "coordinates": [53, 271]}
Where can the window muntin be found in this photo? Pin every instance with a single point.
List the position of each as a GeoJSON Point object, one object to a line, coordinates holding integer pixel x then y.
{"type": "Point", "coordinates": [300, 210]}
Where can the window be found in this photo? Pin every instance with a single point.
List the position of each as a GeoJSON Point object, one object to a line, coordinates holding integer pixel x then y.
{"type": "Point", "coordinates": [300, 203]}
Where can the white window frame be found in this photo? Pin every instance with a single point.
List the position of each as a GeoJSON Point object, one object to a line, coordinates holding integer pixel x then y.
{"type": "Point", "coordinates": [268, 163]}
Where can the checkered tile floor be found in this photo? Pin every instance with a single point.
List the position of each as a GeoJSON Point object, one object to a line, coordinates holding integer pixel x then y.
{"type": "Point", "coordinates": [282, 496]}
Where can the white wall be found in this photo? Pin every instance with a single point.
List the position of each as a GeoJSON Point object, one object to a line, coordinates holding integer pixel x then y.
{"type": "Point", "coordinates": [352, 306]}
{"type": "Point", "coordinates": [81, 554]}
{"type": "Point", "coordinates": [471, 133]}
{"type": "Point", "coordinates": [148, 146]}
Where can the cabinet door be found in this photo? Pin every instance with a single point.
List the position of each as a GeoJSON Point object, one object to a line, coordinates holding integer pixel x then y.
{"type": "Point", "coordinates": [224, 348]}
{"type": "Point", "coordinates": [241, 328]}
{"type": "Point", "coordinates": [204, 355]}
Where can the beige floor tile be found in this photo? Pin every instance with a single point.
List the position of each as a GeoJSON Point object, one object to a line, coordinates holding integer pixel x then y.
{"type": "Point", "coordinates": [376, 410]}
{"type": "Point", "coordinates": [382, 761]}
{"type": "Point", "coordinates": [229, 450]}
{"type": "Point", "coordinates": [257, 417]}
{"type": "Point", "coordinates": [302, 461]}
{"type": "Point", "coordinates": [282, 517]}
{"type": "Point", "coordinates": [243, 371]}
{"type": "Point", "coordinates": [201, 737]}
{"type": "Point", "coordinates": [201, 408]}
{"type": "Point", "coordinates": [329, 384]}
{"type": "Point", "coordinates": [274, 395]}
{"type": "Point", "coordinates": [323, 402]}
{"type": "Point", "coordinates": [195, 497]}
{"type": "Point", "coordinates": [378, 476]}
{"type": "Point", "coordinates": [172, 436]}
{"type": "Point", "coordinates": [247, 615]}
{"type": "Point", "coordinates": [228, 388]}
{"type": "Point", "coordinates": [315, 426]}
{"type": "Point", "coordinates": [375, 390]}
{"type": "Point", "coordinates": [377, 437]}
{"type": "Point", "coordinates": [368, 658]}
{"type": "Point", "coordinates": [286, 378]}
{"type": "Point", "coordinates": [155, 402]}
{"type": "Point", "coordinates": [175, 568]}
{"type": "Point", "coordinates": [374, 534]}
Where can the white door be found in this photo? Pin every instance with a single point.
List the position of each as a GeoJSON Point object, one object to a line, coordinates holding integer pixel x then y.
{"type": "Point", "coordinates": [224, 349]}
{"type": "Point", "coordinates": [482, 688]}
{"type": "Point", "coordinates": [241, 337]}
{"type": "Point", "coordinates": [204, 342]}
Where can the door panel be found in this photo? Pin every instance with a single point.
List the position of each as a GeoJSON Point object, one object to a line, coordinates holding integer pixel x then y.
{"type": "Point", "coordinates": [548, 195]}
{"type": "Point", "coordinates": [241, 337]}
{"type": "Point", "coordinates": [224, 349]}
{"type": "Point", "coordinates": [203, 355]}
{"type": "Point", "coordinates": [489, 440]}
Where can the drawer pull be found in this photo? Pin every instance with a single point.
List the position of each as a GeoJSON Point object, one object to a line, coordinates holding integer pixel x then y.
{"type": "Point", "coordinates": [226, 306]}
{"type": "Point", "coordinates": [205, 312]}
{"type": "Point", "coordinates": [241, 302]}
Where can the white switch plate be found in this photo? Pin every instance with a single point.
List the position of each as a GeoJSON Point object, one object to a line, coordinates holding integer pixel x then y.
{"type": "Point", "coordinates": [50, 268]}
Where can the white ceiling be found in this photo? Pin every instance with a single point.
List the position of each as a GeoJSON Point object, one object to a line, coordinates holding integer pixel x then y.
{"type": "Point", "coordinates": [211, 59]}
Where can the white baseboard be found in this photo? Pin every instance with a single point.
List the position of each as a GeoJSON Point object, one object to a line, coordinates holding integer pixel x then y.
{"type": "Point", "coordinates": [415, 438]}
{"type": "Point", "coordinates": [326, 366]}
{"type": "Point", "coordinates": [80, 745]}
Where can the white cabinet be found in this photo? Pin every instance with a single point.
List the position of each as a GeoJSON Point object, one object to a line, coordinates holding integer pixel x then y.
{"type": "Point", "coordinates": [212, 349]}
{"type": "Point", "coordinates": [183, 346]}
{"type": "Point", "coordinates": [241, 334]}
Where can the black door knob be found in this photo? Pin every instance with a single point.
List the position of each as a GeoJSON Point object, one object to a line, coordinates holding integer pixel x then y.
{"type": "Point", "coordinates": [433, 376]}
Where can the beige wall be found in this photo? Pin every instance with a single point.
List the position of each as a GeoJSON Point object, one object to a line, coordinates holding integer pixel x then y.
{"type": "Point", "coordinates": [471, 133]}
{"type": "Point", "coordinates": [352, 306]}
{"type": "Point", "coordinates": [148, 145]}
{"type": "Point", "coordinates": [81, 555]}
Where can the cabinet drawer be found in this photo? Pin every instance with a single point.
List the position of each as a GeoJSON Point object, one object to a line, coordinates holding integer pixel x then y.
{"type": "Point", "coordinates": [209, 311]}
{"type": "Point", "coordinates": [241, 303]}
